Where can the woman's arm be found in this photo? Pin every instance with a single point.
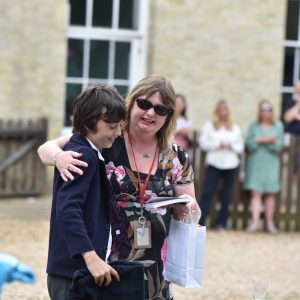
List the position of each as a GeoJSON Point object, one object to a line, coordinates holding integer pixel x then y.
{"type": "Point", "coordinates": [277, 144]}
{"type": "Point", "coordinates": [292, 114]}
{"type": "Point", "coordinates": [251, 140]}
{"type": "Point", "coordinates": [186, 132]}
{"type": "Point", "coordinates": [51, 153]}
{"type": "Point", "coordinates": [238, 144]}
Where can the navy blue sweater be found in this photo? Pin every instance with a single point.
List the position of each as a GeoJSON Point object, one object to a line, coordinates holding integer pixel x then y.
{"type": "Point", "coordinates": [80, 215]}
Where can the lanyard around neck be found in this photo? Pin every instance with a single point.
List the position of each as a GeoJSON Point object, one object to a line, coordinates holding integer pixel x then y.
{"type": "Point", "coordinates": [142, 189]}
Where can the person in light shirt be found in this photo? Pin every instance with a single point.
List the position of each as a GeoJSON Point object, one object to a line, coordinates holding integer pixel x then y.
{"type": "Point", "coordinates": [223, 142]}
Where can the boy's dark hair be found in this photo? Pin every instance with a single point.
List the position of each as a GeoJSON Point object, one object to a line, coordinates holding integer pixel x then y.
{"type": "Point", "coordinates": [97, 102]}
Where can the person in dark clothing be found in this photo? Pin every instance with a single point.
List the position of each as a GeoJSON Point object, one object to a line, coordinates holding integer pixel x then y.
{"type": "Point", "coordinates": [291, 119]}
{"type": "Point", "coordinates": [291, 115]}
{"type": "Point", "coordinates": [80, 218]}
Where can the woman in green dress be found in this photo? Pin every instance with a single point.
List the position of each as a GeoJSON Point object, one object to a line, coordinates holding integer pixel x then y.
{"type": "Point", "coordinates": [264, 142]}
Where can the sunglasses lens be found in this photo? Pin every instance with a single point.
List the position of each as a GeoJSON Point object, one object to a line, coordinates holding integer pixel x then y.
{"type": "Point", "coordinates": [143, 104]}
{"type": "Point", "coordinates": [146, 105]}
{"type": "Point", "coordinates": [266, 108]}
{"type": "Point", "coordinates": [161, 110]}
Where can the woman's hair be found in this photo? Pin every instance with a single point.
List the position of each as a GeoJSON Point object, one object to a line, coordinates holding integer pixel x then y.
{"type": "Point", "coordinates": [216, 117]}
{"type": "Point", "coordinates": [147, 87]}
{"type": "Point", "coordinates": [97, 102]}
{"type": "Point", "coordinates": [265, 104]}
{"type": "Point", "coordinates": [182, 97]}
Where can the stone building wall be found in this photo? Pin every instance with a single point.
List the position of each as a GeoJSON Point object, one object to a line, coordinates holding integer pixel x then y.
{"type": "Point", "coordinates": [209, 49]}
{"type": "Point", "coordinates": [219, 49]}
{"type": "Point", "coordinates": [32, 60]}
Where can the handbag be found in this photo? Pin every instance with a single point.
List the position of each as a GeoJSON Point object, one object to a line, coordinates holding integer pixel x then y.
{"type": "Point", "coordinates": [185, 254]}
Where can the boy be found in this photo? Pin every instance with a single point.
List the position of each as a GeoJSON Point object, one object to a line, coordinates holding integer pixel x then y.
{"type": "Point", "coordinates": [80, 216]}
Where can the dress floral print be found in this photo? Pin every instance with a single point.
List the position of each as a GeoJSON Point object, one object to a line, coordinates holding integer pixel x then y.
{"type": "Point", "coordinates": [173, 169]}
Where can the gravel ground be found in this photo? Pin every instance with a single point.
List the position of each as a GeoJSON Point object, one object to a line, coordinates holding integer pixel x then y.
{"type": "Point", "coordinates": [232, 260]}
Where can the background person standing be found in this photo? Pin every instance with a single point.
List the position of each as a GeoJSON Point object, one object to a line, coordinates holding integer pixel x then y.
{"type": "Point", "coordinates": [184, 129]}
{"type": "Point", "coordinates": [264, 142]}
{"type": "Point", "coordinates": [223, 142]}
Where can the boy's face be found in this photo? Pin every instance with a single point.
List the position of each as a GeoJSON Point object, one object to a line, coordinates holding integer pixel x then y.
{"type": "Point", "coordinates": [105, 134]}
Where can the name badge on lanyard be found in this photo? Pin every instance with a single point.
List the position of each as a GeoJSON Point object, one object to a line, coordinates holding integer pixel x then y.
{"type": "Point", "coordinates": [142, 227]}
{"type": "Point", "coordinates": [142, 233]}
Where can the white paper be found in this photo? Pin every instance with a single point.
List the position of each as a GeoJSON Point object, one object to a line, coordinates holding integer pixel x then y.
{"type": "Point", "coordinates": [164, 201]}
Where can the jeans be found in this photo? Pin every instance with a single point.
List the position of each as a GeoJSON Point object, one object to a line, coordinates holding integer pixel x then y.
{"type": "Point", "coordinates": [212, 177]}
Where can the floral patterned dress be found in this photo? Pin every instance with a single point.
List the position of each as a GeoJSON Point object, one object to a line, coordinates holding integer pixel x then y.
{"type": "Point", "coordinates": [173, 169]}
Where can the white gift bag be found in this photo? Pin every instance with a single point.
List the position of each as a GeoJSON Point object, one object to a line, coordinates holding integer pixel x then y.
{"type": "Point", "coordinates": [185, 254]}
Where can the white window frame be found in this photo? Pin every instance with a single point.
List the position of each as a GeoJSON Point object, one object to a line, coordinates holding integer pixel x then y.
{"type": "Point", "coordinates": [296, 45]}
{"type": "Point", "coordinates": [137, 38]}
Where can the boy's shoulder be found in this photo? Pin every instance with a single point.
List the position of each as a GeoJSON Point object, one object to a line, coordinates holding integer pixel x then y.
{"type": "Point", "coordinates": [80, 144]}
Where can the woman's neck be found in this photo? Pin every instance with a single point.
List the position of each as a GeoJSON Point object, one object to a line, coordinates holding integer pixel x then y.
{"type": "Point", "coordinates": [142, 139]}
{"type": "Point", "coordinates": [223, 121]}
{"type": "Point", "coordinates": [265, 122]}
{"type": "Point", "coordinates": [139, 148]}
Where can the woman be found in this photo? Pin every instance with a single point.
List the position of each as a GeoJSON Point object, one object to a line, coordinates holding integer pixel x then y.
{"type": "Point", "coordinates": [140, 165]}
{"type": "Point", "coordinates": [184, 130]}
{"type": "Point", "coordinates": [223, 142]}
{"type": "Point", "coordinates": [264, 142]}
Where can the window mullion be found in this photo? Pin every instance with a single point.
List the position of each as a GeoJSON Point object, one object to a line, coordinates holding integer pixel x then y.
{"type": "Point", "coordinates": [298, 22]}
{"type": "Point", "coordinates": [86, 61]}
{"type": "Point", "coordinates": [111, 62]}
{"type": "Point", "coordinates": [296, 65]}
{"type": "Point", "coordinates": [89, 13]}
{"type": "Point", "coordinates": [87, 43]}
{"type": "Point", "coordinates": [116, 12]}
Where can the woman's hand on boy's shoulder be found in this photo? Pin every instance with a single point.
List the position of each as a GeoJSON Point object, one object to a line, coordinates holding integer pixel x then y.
{"type": "Point", "coordinates": [67, 162]}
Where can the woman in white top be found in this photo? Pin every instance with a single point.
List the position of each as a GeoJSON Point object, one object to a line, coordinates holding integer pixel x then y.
{"type": "Point", "coordinates": [223, 142]}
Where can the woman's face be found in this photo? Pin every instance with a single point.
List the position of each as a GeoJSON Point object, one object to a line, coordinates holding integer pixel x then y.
{"type": "Point", "coordinates": [223, 112]}
{"type": "Point", "coordinates": [147, 121]}
{"type": "Point", "coordinates": [265, 111]}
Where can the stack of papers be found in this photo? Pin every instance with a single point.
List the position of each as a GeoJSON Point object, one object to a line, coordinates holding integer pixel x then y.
{"type": "Point", "coordinates": [164, 201]}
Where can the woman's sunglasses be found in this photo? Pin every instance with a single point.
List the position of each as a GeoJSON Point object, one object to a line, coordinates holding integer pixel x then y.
{"type": "Point", "coordinates": [265, 107]}
{"type": "Point", "coordinates": [145, 104]}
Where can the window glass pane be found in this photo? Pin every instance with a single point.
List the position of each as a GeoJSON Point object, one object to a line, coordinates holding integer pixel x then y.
{"type": "Point", "coordinates": [123, 90]}
{"type": "Point", "coordinates": [102, 13]}
{"type": "Point", "coordinates": [99, 59]}
{"type": "Point", "coordinates": [292, 20]}
{"type": "Point", "coordinates": [73, 90]}
{"type": "Point", "coordinates": [126, 14]}
{"type": "Point", "coordinates": [122, 60]}
{"type": "Point", "coordinates": [75, 58]}
{"type": "Point", "coordinates": [77, 12]}
{"type": "Point", "coordinates": [289, 58]}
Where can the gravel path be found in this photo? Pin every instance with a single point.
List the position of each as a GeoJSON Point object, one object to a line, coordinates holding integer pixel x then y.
{"type": "Point", "coordinates": [232, 258]}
